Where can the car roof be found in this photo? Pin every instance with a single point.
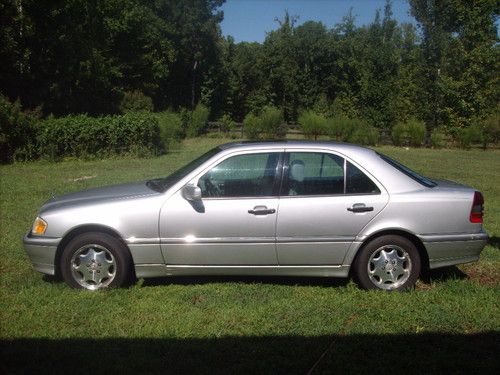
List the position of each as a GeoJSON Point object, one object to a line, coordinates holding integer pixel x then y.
{"type": "Point", "coordinates": [290, 143]}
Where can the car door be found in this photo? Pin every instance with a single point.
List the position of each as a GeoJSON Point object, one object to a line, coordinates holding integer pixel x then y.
{"type": "Point", "coordinates": [235, 221]}
{"type": "Point", "coordinates": [325, 201]}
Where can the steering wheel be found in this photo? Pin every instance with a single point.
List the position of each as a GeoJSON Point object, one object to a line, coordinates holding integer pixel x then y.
{"type": "Point", "coordinates": [212, 190]}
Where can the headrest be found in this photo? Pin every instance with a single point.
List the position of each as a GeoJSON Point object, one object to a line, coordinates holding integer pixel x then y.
{"type": "Point", "coordinates": [297, 170]}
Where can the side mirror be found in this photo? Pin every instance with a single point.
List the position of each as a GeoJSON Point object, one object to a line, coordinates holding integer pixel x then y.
{"type": "Point", "coordinates": [191, 192]}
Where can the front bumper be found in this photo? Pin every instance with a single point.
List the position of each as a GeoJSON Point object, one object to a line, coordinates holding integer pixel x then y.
{"type": "Point", "coordinates": [42, 252]}
{"type": "Point", "coordinates": [448, 250]}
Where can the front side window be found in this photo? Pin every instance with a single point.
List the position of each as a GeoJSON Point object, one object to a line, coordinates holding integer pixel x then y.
{"type": "Point", "coordinates": [250, 175]}
{"type": "Point", "coordinates": [314, 174]}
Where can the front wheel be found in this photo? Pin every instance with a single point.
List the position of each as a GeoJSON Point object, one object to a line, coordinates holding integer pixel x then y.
{"type": "Point", "coordinates": [96, 261]}
{"type": "Point", "coordinates": [389, 263]}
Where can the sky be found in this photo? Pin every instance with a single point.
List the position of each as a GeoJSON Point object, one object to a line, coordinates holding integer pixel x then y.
{"type": "Point", "coordinates": [249, 20]}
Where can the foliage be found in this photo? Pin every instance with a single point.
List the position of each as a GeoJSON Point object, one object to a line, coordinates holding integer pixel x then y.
{"type": "Point", "coordinates": [467, 136]}
{"type": "Point", "coordinates": [85, 136]}
{"type": "Point", "coordinates": [268, 124]}
{"type": "Point", "coordinates": [226, 124]}
{"type": "Point", "coordinates": [410, 133]}
{"type": "Point", "coordinates": [365, 135]}
{"type": "Point", "coordinates": [170, 127]}
{"type": "Point", "coordinates": [195, 122]}
{"type": "Point", "coordinates": [252, 126]}
{"type": "Point", "coordinates": [16, 131]}
{"type": "Point", "coordinates": [438, 138]}
{"type": "Point", "coordinates": [136, 101]}
{"type": "Point", "coordinates": [313, 124]}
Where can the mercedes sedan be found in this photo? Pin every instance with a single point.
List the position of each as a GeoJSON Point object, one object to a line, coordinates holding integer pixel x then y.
{"type": "Point", "coordinates": [291, 208]}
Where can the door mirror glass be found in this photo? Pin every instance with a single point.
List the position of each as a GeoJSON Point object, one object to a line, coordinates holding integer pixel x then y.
{"type": "Point", "coordinates": [191, 192]}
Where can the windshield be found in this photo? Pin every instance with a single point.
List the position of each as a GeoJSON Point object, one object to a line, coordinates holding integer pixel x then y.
{"type": "Point", "coordinates": [162, 184]}
{"type": "Point", "coordinates": [407, 171]}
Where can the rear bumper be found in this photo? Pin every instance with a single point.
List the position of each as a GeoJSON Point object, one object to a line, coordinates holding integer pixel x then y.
{"type": "Point", "coordinates": [42, 252]}
{"type": "Point", "coordinates": [447, 250]}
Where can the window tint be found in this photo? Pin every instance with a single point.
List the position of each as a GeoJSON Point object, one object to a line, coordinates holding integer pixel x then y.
{"type": "Point", "coordinates": [314, 174]}
{"type": "Point", "coordinates": [249, 175]}
{"type": "Point", "coordinates": [407, 171]}
{"type": "Point", "coordinates": [358, 183]}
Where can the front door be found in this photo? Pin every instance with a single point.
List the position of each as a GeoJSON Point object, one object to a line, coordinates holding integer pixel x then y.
{"type": "Point", "coordinates": [235, 221]}
{"type": "Point", "coordinates": [325, 202]}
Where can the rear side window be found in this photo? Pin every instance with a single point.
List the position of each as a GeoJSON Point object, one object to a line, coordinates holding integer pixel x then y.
{"type": "Point", "coordinates": [311, 173]}
{"type": "Point", "coordinates": [407, 171]}
{"type": "Point", "coordinates": [359, 183]}
{"type": "Point", "coordinates": [315, 173]}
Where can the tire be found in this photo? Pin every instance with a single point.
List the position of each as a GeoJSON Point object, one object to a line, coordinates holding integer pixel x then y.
{"type": "Point", "coordinates": [388, 262]}
{"type": "Point", "coordinates": [95, 261]}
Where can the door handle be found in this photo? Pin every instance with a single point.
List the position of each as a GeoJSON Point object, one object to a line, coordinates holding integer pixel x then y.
{"type": "Point", "coordinates": [261, 210]}
{"type": "Point", "coordinates": [359, 207]}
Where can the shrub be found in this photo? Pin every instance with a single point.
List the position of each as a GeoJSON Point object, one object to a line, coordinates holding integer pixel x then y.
{"type": "Point", "coordinates": [353, 130]}
{"type": "Point", "coordinates": [438, 138]}
{"type": "Point", "coordinates": [266, 125]}
{"type": "Point", "coordinates": [136, 101]}
{"type": "Point", "coordinates": [16, 132]}
{"type": "Point", "coordinates": [226, 124]}
{"type": "Point", "coordinates": [491, 130]}
{"type": "Point", "coordinates": [195, 122]}
{"type": "Point", "coordinates": [312, 124]}
{"type": "Point", "coordinates": [466, 136]}
{"type": "Point", "coordinates": [84, 136]}
{"type": "Point", "coordinates": [251, 126]}
{"type": "Point", "coordinates": [410, 133]}
{"type": "Point", "coordinates": [170, 126]}
{"type": "Point", "coordinates": [271, 121]}
{"type": "Point", "coordinates": [365, 135]}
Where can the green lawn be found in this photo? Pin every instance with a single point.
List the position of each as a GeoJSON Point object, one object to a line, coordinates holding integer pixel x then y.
{"type": "Point", "coordinates": [450, 322]}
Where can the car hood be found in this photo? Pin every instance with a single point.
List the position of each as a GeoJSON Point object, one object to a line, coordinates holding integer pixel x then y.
{"type": "Point", "coordinates": [107, 193]}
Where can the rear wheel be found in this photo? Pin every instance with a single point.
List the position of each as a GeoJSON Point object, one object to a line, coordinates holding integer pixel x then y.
{"type": "Point", "coordinates": [96, 261]}
{"type": "Point", "coordinates": [389, 263]}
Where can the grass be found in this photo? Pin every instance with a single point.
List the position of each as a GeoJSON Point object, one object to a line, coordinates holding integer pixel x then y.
{"type": "Point", "coordinates": [450, 322]}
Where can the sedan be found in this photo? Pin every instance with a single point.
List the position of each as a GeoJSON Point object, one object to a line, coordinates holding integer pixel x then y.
{"type": "Point", "coordinates": [292, 208]}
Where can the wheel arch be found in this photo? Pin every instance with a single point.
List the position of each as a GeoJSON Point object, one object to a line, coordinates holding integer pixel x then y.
{"type": "Point", "coordinates": [422, 251]}
{"type": "Point", "coordinates": [81, 230]}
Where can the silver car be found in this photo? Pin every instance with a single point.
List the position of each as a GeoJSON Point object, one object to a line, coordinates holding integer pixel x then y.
{"type": "Point", "coordinates": [264, 208]}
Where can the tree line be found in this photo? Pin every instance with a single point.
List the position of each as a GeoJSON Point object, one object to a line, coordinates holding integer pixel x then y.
{"type": "Point", "coordinates": [102, 56]}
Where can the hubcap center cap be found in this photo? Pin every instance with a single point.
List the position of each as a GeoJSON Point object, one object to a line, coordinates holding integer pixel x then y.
{"type": "Point", "coordinates": [389, 266]}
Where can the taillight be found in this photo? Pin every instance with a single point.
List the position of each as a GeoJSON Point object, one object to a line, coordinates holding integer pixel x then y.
{"type": "Point", "coordinates": [476, 212]}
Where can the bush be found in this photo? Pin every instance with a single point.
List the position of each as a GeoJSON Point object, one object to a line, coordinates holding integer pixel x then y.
{"type": "Point", "coordinates": [438, 138]}
{"type": "Point", "coordinates": [136, 101]}
{"type": "Point", "coordinates": [312, 124]}
{"type": "Point", "coordinates": [491, 130]}
{"type": "Point", "coordinates": [410, 133]}
{"type": "Point", "coordinates": [16, 132]}
{"type": "Point", "coordinates": [343, 128]}
{"type": "Point", "coordinates": [226, 124]}
{"type": "Point", "coordinates": [195, 122]}
{"type": "Point", "coordinates": [466, 136]}
{"type": "Point", "coordinates": [271, 121]}
{"type": "Point", "coordinates": [365, 135]}
{"type": "Point", "coordinates": [84, 136]}
{"type": "Point", "coordinates": [170, 126]}
{"type": "Point", "coordinates": [266, 125]}
{"type": "Point", "coordinates": [353, 130]}
{"type": "Point", "coordinates": [251, 126]}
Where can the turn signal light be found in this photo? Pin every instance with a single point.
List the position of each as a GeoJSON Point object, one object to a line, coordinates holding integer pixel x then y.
{"type": "Point", "coordinates": [39, 226]}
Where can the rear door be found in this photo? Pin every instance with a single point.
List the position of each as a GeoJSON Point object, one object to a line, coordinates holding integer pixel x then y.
{"type": "Point", "coordinates": [325, 201]}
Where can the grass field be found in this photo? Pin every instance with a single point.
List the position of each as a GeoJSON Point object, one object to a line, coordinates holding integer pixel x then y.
{"type": "Point", "coordinates": [450, 322]}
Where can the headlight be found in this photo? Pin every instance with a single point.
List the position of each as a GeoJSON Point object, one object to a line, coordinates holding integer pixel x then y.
{"type": "Point", "coordinates": [39, 226]}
